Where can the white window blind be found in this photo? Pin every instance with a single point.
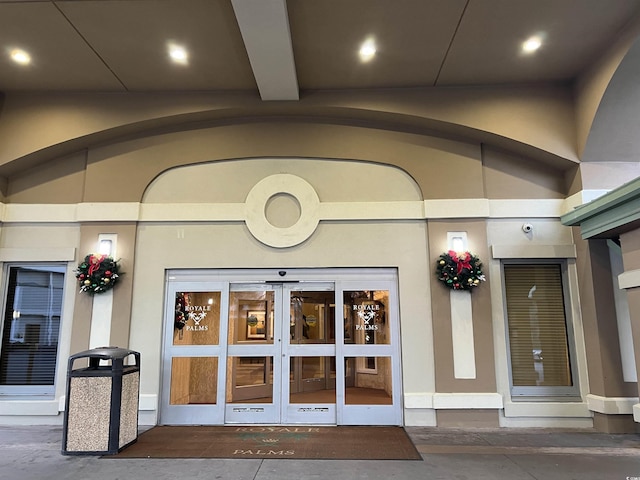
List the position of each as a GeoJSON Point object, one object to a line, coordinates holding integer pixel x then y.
{"type": "Point", "coordinates": [537, 326]}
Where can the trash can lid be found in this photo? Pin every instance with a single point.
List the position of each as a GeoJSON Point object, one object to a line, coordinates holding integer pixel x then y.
{"type": "Point", "coordinates": [104, 353]}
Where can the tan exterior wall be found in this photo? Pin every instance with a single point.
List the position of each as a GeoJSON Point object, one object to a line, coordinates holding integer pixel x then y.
{"type": "Point", "coordinates": [357, 151]}
{"type": "Point", "coordinates": [121, 172]}
{"type": "Point", "coordinates": [511, 176]}
{"type": "Point", "coordinates": [419, 156]}
{"type": "Point", "coordinates": [593, 83]}
{"type": "Point", "coordinates": [481, 307]}
{"type": "Point", "coordinates": [536, 119]}
{"type": "Point", "coordinates": [630, 243]}
{"type": "Point", "coordinates": [334, 244]}
{"type": "Point", "coordinates": [468, 418]}
{"type": "Point", "coordinates": [59, 180]}
{"type": "Point", "coordinates": [121, 316]}
{"type": "Point", "coordinates": [599, 316]}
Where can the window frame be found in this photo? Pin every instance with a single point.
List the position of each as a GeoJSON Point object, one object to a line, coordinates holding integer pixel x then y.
{"type": "Point", "coordinates": [545, 393]}
{"type": "Point", "coordinates": [34, 391]}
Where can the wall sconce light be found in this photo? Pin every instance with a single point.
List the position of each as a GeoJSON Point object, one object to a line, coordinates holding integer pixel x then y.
{"type": "Point", "coordinates": [107, 244]}
{"type": "Point", "coordinates": [457, 244]}
{"type": "Point", "coordinates": [457, 241]}
{"type": "Point", "coordinates": [105, 247]}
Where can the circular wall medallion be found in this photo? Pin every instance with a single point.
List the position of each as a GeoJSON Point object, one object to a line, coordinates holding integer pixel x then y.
{"type": "Point", "coordinates": [272, 186]}
{"type": "Point", "coordinates": [282, 210]}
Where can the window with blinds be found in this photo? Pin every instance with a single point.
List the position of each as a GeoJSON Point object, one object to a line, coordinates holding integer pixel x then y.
{"type": "Point", "coordinates": [30, 329]}
{"type": "Point", "coordinates": [539, 338]}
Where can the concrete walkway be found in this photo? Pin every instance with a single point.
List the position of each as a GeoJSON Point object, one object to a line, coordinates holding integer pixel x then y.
{"type": "Point", "coordinates": [33, 453]}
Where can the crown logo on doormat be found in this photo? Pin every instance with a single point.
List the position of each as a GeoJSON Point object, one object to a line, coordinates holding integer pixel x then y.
{"type": "Point", "coordinates": [270, 441]}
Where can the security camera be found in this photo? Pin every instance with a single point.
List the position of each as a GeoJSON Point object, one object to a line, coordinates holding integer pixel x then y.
{"type": "Point", "coordinates": [282, 273]}
{"type": "Point", "coordinates": [527, 228]}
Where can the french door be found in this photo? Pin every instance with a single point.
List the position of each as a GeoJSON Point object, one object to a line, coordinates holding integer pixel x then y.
{"type": "Point", "coordinates": [313, 351]}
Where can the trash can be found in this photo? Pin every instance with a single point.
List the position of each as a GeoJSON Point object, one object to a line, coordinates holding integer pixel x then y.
{"type": "Point", "coordinates": [101, 406]}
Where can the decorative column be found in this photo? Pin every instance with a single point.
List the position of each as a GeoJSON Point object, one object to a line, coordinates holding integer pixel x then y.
{"type": "Point", "coordinates": [102, 308]}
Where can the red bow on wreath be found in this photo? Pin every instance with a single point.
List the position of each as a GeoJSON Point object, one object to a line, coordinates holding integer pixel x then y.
{"type": "Point", "coordinates": [462, 260]}
{"type": "Point", "coordinates": [94, 262]}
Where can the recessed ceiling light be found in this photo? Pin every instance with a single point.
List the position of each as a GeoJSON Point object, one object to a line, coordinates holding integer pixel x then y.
{"type": "Point", "coordinates": [367, 50]}
{"type": "Point", "coordinates": [20, 56]}
{"type": "Point", "coordinates": [178, 54]}
{"type": "Point", "coordinates": [532, 44]}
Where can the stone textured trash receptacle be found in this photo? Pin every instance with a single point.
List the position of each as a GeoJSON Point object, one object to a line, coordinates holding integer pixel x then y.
{"type": "Point", "coordinates": [101, 406]}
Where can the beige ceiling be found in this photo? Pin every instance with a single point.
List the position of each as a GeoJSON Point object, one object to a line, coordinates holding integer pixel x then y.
{"type": "Point", "coordinates": [279, 48]}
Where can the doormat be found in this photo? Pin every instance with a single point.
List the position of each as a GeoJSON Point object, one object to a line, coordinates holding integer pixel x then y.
{"type": "Point", "coordinates": [296, 442]}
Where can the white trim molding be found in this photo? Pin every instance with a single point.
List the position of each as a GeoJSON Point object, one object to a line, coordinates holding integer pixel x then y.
{"type": "Point", "coordinates": [224, 212]}
{"type": "Point", "coordinates": [582, 197]}
{"type": "Point", "coordinates": [120, 211]}
{"type": "Point", "coordinates": [464, 355]}
{"type": "Point", "coordinates": [612, 405]}
{"type": "Point", "coordinates": [533, 251]}
{"type": "Point", "coordinates": [467, 401]}
{"type": "Point", "coordinates": [37, 254]}
{"type": "Point", "coordinates": [148, 402]}
{"type": "Point", "coordinates": [629, 279]}
{"type": "Point", "coordinates": [47, 213]}
{"type": "Point", "coordinates": [547, 422]}
{"type": "Point", "coordinates": [312, 211]}
{"type": "Point", "coordinates": [101, 316]}
{"type": "Point", "coordinates": [535, 208]}
{"type": "Point", "coordinates": [453, 401]}
{"type": "Point", "coordinates": [418, 400]}
{"type": "Point", "coordinates": [451, 208]}
{"type": "Point", "coordinates": [546, 409]}
{"type": "Point", "coordinates": [29, 407]}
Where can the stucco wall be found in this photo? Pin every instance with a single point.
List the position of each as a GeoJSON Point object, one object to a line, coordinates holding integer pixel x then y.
{"type": "Point", "coordinates": [333, 244]}
{"type": "Point", "coordinates": [539, 118]}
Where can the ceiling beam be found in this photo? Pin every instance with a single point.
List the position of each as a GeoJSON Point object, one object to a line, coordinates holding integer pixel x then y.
{"type": "Point", "coordinates": [264, 25]}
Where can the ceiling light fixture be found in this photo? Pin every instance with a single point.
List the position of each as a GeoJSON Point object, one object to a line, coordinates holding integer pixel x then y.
{"type": "Point", "coordinates": [20, 56]}
{"type": "Point", "coordinates": [532, 44]}
{"type": "Point", "coordinates": [178, 54]}
{"type": "Point", "coordinates": [367, 50]}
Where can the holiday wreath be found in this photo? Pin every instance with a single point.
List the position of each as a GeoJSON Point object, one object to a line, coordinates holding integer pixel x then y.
{"type": "Point", "coordinates": [181, 313]}
{"type": "Point", "coordinates": [97, 273]}
{"type": "Point", "coordinates": [459, 270]}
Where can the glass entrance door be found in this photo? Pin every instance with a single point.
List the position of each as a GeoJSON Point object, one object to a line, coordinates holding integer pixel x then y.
{"type": "Point", "coordinates": [281, 364]}
{"type": "Point", "coordinates": [194, 353]}
{"type": "Point", "coordinates": [249, 348]}
{"type": "Point", "coordinates": [310, 394]}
